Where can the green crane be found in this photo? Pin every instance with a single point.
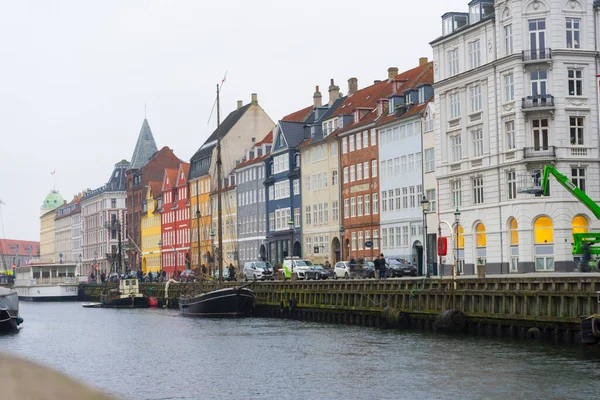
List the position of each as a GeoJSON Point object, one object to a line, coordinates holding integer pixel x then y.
{"type": "Point", "coordinates": [587, 239]}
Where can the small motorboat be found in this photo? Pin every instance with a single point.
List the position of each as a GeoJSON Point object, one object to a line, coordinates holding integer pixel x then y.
{"type": "Point", "coordinates": [232, 302]}
{"type": "Point", "coordinates": [126, 296]}
{"type": "Point", "coordinates": [9, 310]}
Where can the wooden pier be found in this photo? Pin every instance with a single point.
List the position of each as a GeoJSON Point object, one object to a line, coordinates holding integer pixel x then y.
{"type": "Point", "coordinates": [510, 306]}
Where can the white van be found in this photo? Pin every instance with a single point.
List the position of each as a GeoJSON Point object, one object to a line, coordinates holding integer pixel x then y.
{"type": "Point", "coordinates": [296, 266]}
{"type": "Point", "coordinates": [257, 270]}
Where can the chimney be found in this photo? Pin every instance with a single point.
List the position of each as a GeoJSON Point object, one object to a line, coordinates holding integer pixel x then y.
{"type": "Point", "coordinates": [334, 92]}
{"type": "Point", "coordinates": [423, 61]}
{"type": "Point", "coordinates": [392, 72]}
{"type": "Point", "coordinates": [317, 98]}
{"type": "Point", "coordinates": [352, 86]}
{"type": "Point", "coordinates": [254, 99]}
{"type": "Point", "coordinates": [240, 104]}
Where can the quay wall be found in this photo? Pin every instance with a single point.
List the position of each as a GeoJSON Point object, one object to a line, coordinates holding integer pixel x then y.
{"type": "Point", "coordinates": [533, 307]}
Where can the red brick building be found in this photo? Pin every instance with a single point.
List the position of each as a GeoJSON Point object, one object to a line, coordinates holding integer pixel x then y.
{"type": "Point", "coordinates": [137, 180]}
{"type": "Point", "coordinates": [175, 220]}
{"type": "Point", "coordinates": [359, 161]}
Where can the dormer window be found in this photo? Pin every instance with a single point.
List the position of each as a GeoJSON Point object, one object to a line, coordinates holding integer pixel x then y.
{"type": "Point", "coordinates": [453, 21]}
{"type": "Point", "coordinates": [480, 9]}
{"type": "Point", "coordinates": [422, 95]}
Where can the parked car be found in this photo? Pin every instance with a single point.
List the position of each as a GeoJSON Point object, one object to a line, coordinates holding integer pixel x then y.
{"type": "Point", "coordinates": [257, 270]}
{"type": "Point", "coordinates": [370, 269]}
{"type": "Point", "coordinates": [187, 276]}
{"type": "Point", "coordinates": [226, 276]}
{"type": "Point", "coordinates": [348, 270]}
{"type": "Point", "coordinates": [296, 266]}
{"type": "Point", "coordinates": [399, 268]}
{"type": "Point", "coordinates": [317, 272]}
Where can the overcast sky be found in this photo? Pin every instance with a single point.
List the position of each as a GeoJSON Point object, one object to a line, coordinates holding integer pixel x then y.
{"type": "Point", "coordinates": [75, 76]}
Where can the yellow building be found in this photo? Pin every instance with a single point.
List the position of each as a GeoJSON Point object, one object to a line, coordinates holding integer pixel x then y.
{"type": "Point", "coordinates": [151, 229]}
{"type": "Point", "coordinates": [200, 202]}
{"type": "Point", "coordinates": [229, 222]}
{"type": "Point", "coordinates": [48, 213]}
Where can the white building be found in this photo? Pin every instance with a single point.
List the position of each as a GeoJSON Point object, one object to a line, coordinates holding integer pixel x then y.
{"type": "Point", "coordinates": [515, 91]}
{"type": "Point", "coordinates": [63, 231]}
{"type": "Point", "coordinates": [430, 185]}
{"type": "Point", "coordinates": [102, 213]}
{"type": "Point", "coordinates": [401, 173]}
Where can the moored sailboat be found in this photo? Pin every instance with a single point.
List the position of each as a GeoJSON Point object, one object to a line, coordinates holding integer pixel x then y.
{"type": "Point", "coordinates": [9, 310]}
{"type": "Point", "coordinates": [231, 302]}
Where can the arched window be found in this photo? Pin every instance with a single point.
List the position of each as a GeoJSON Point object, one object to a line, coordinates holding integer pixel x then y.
{"type": "Point", "coordinates": [480, 240]}
{"type": "Point", "coordinates": [579, 224]}
{"type": "Point", "coordinates": [543, 232]}
{"type": "Point", "coordinates": [514, 245]}
{"type": "Point", "coordinates": [297, 159]}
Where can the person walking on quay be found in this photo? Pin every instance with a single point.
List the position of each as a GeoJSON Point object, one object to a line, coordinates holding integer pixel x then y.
{"type": "Point", "coordinates": [231, 272]}
{"type": "Point", "coordinates": [103, 277]}
{"type": "Point", "coordinates": [327, 265]}
{"type": "Point", "coordinates": [382, 266]}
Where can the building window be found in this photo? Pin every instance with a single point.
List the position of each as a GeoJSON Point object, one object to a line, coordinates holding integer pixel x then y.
{"type": "Point", "coordinates": [481, 243]}
{"type": "Point", "coordinates": [375, 238]}
{"type": "Point", "coordinates": [579, 224]}
{"type": "Point", "coordinates": [475, 94]}
{"type": "Point", "coordinates": [514, 245]}
{"type": "Point", "coordinates": [333, 149]}
{"type": "Point", "coordinates": [452, 62]}
{"type": "Point", "coordinates": [346, 208]}
{"type": "Point", "coordinates": [578, 177]}
{"type": "Point", "coordinates": [573, 33]}
{"type": "Point", "coordinates": [411, 197]}
{"type": "Point", "coordinates": [360, 205]}
{"type": "Point", "coordinates": [358, 141]}
{"type": "Point", "coordinates": [334, 177]}
{"type": "Point", "coordinates": [360, 240]}
{"type": "Point", "coordinates": [297, 218]}
{"type": "Point", "coordinates": [367, 209]}
{"type": "Point", "coordinates": [344, 145]}
{"type": "Point", "coordinates": [575, 82]}
{"type": "Point", "coordinates": [308, 245]}
{"type": "Point", "coordinates": [428, 122]}
{"type": "Point", "coordinates": [272, 221]}
{"type": "Point", "coordinates": [540, 134]}
{"type": "Point", "coordinates": [353, 207]}
{"type": "Point", "coordinates": [509, 88]}
{"type": "Point", "coordinates": [477, 190]}
{"type": "Point", "coordinates": [384, 238]}
{"type": "Point", "coordinates": [454, 106]}
{"type": "Point", "coordinates": [345, 174]}
{"type": "Point", "coordinates": [509, 132]}
{"type": "Point", "coordinates": [474, 54]}
{"type": "Point", "coordinates": [352, 173]}
{"type": "Point", "coordinates": [113, 203]}
{"type": "Point", "coordinates": [384, 201]}
{"type": "Point", "coordinates": [296, 183]}
{"type": "Point", "coordinates": [365, 136]}
{"type": "Point", "coordinates": [455, 148]}
{"type": "Point", "coordinates": [374, 168]}
{"type": "Point", "coordinates": [359, 172]}
{"type": "Point", "coordinates": [307, 220]}
{"type": "Point", "coordinates": [508, 40]}
{"type": "Point", "coordinates": [576, 129]}
{"type": "Point", "coordinates": [477, 137]}
{"type": "Point", "coordinates": [375, 203]}
{"type": "Point", "coordinates": [353, 241]}
{"type": "Point", "coordinates": [539, 82]}
{"type": "Point", "coordinates": [335, 210]}
{"type": "Point", "coordinates": [422, 95]}
{"type": "Point", "coordinates": [373, 137]}
{"type": "Point", "coordinates": [511, 179]}
{"type": "Point", "coordinates": [431, 196]}
{"type": "Point", "coordinates": [456, 188]}
{"type": "Point", "coordinates": [430, 160]}
{"type": "Point", "coordinates": [405, 197]}
{"type": "Point", "coordinates": [544, 244]}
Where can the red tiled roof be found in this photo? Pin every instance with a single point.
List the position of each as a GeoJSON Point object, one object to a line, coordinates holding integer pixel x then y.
{"type": "Point", "coordinates": [7, 247]}
{"type": "Point", "coordinates": [155, 188]}
{"type": "Point", "coordinates": [251, 161]}
{"type": "Point", "coordinates": [369, 96]}
{"type": "Point", "coordinates": [299, 115]}
{"type": "Point", "coordinates": [305, 143]}
{"type": "Point", "coordinates": [172, 175]}
{"type": "Point", "coordinates": [266, 139]}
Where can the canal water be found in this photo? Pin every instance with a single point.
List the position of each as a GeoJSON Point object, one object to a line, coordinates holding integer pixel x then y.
{"type": "Point", "coordinates": [156, 354]}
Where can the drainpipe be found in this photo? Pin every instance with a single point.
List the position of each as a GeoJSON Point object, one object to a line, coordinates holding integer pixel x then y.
{"type": "Point", "coordinates": [496, 81]}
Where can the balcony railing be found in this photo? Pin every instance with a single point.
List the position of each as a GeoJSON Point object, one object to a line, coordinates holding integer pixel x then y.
{"type": "Point", "coordinates": [537, 54]}
{"type": "Point", "coordinates": [537, 102]}
{"type": "Point", "coordinates": [539, 152]}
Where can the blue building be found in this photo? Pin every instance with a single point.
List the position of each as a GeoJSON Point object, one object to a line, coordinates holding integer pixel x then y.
{"type": "Point", "coordinates": [282, 187]}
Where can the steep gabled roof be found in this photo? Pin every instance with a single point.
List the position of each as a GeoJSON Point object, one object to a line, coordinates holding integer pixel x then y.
{"type": "Point", "coordinates": [184, 168]}
{"type": "Point", "coordinates": [155, 188]}
{"type": "Point", "coordinates": [144, 148]}
{"type": "Point", "coordinates": [170, 176]}
{"type": "Point", "coordinates": [293, 132]}
{"type": "Point", "coordinates": [299, 116]}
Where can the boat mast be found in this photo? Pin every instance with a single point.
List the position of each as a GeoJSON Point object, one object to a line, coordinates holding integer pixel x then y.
{"type": "Point", "coordinates": [219, 188]}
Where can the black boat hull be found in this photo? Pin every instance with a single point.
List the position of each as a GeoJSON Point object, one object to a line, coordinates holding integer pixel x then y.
{"type": "Point", "coordinates": [8, 321]}
{"type": "Point", "coordinates": [138, 302]}
{"type": "Point", "coordinates": [223, 303]}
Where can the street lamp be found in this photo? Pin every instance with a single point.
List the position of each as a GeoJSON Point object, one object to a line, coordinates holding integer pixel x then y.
{"type": "Point", "coordinates": [80, 257]}
{"type": "Point", "coordinates": [342, 245]}
{"type": "Point", "coordinates": [161, 262]}
{"type": "Point", "coordinates": [212, 248]}
{"type": "Point", "coordinates": [291, 225]}
{"type": "Point", "coordinates": [425, 207]}
{"type": "Point", "coordinates": [457, 220]}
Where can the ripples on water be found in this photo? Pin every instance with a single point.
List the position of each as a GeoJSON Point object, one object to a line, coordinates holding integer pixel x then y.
{"type": "Point", "coordinates": [156, 354]}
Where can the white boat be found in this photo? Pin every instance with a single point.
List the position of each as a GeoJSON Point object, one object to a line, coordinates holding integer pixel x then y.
{"type": "Point", "coordinates": [47, 282]}
{"type": "Point", "coordinates": [9, 310]}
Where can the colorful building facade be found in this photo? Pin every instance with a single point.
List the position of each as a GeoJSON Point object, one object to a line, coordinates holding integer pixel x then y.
{"type": "Point", "coordinates": [151, 229]}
